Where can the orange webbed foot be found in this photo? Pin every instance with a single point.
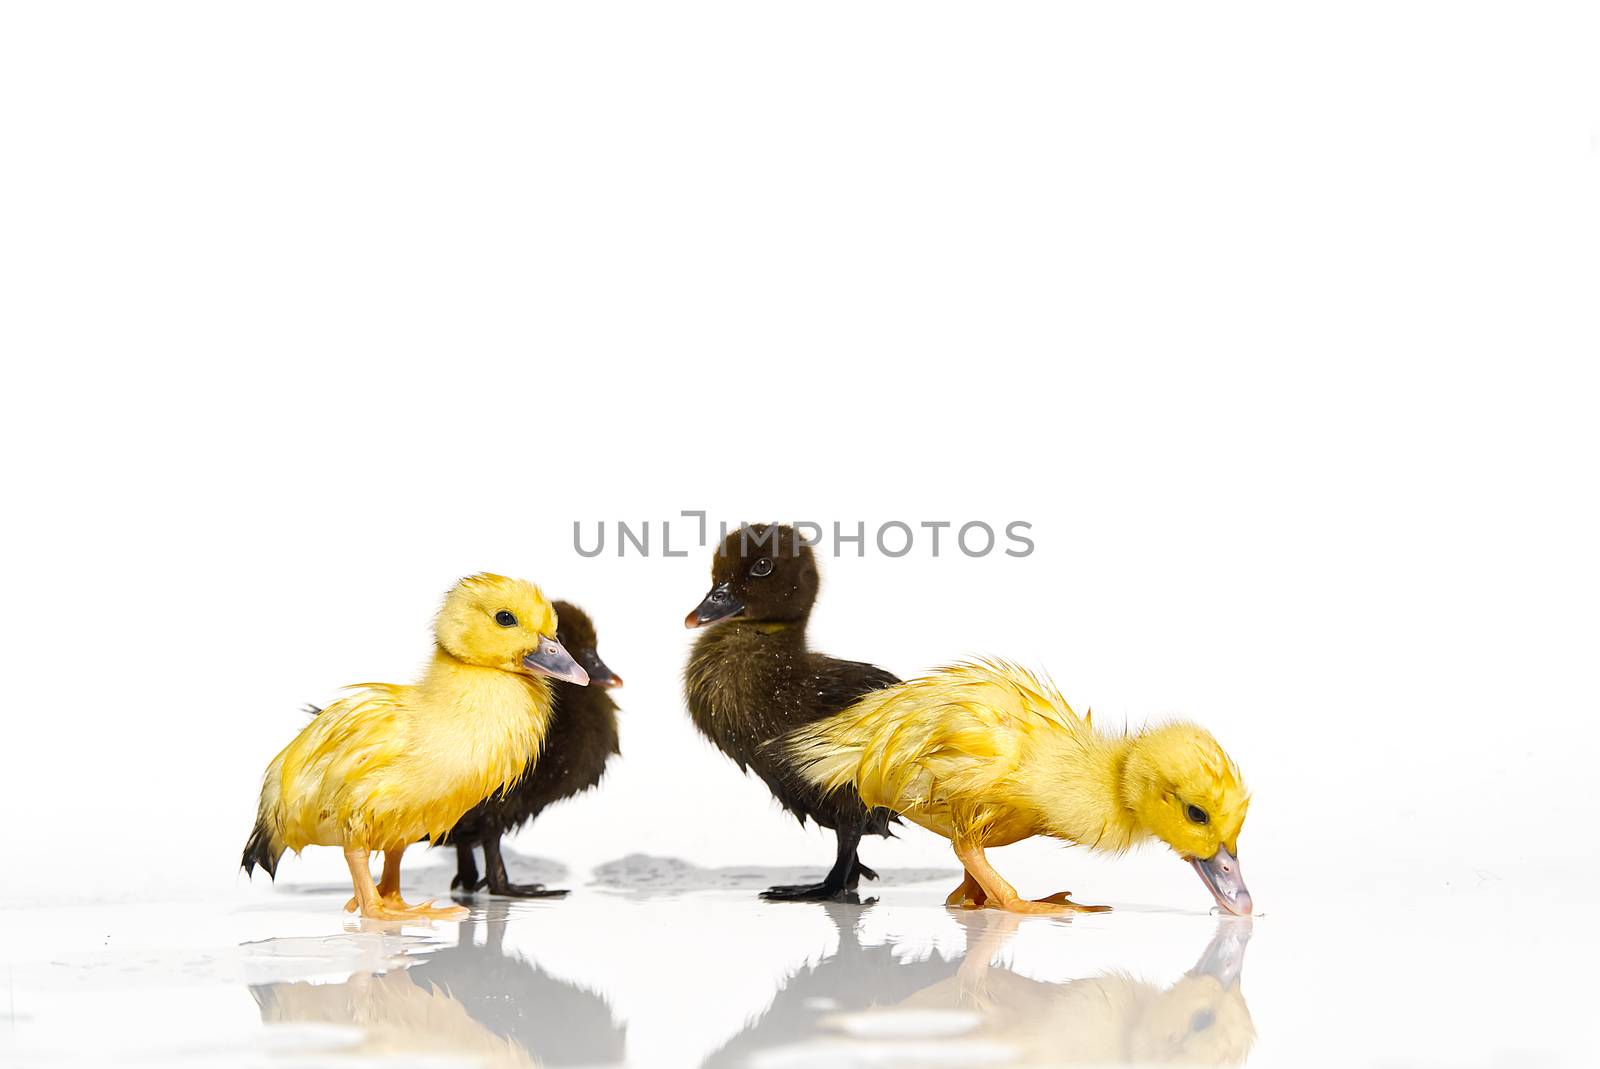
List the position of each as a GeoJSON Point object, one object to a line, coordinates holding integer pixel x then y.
{"type": "Point", "coordinates": [1056, 903]}
{"type": "Point", "coordinates": [433, 912]}
{"type": "Point", "coordinates": [967, 896]}
{"type": "Point", "coordinates": [394, 908]}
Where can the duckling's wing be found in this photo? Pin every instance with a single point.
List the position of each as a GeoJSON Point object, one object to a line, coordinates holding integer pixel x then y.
{"type": "Point", "coordinates": [840, 684]}
{"type": "Point", "coordinates": [330, 768]}
{"type": "Point", "coordinates": [946, 740]}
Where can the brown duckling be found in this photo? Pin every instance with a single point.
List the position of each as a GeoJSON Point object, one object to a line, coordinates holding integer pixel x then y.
{"type": "Point", "coordinates": [751, 680]}
{"type": "Point", "coordinates": [582, 739]}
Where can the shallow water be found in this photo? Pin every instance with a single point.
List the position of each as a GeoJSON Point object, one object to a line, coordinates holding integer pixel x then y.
{"type": "Point", "coordinates": [657, 962]}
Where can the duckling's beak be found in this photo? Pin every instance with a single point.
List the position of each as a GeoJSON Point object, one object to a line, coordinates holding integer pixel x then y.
{"type": "Point", "coordinates": [1221, 873]}
{"type": "Point", "coordinates": [720, 604]}
{"type": "Point", "coordinates": [552, 659]}
{"type": "Point", "coordinates": [599, 674]}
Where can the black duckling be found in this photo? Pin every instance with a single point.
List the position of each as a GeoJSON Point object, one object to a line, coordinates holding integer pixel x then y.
{"type": "Point", "coordinates": [751, 680]}
{"type": "Point", "coordinates": [582, 738]}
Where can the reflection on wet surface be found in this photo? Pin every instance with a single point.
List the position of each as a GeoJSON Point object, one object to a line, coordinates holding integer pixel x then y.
{"type": "Point", "coordinates": [654, 962]}
{"type": "Point", "coordinates": [646, 875]}
{"type": "Point", "coordinates": [894, 1001]}
{"type": "Point", "coordinates": [866, 1005]}
{"type": "Point", "coordinates": [473, 1000]}
{"type": "Point", "coordinates": [663, 965]}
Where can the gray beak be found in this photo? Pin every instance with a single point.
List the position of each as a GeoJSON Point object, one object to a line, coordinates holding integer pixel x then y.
{"type": "Point", "coordinates": [1221, 874]}
{"type": "Point", "coordinates": [552, 659]}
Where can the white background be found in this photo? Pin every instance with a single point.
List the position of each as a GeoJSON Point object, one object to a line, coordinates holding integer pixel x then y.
{"type": "Point", "coordinates": [1278, 327]}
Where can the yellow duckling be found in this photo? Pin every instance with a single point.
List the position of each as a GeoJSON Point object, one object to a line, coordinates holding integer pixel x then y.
{"type": "Point", "coordinates": [986, 754]}
{"type": "Point", "coordinates": [390, 764]}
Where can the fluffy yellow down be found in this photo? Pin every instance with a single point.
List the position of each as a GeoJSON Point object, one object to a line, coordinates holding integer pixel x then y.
{"type": "Point", "coordinates": [987, 753]}
{"type": "Point", "coordinates": [390, 764]}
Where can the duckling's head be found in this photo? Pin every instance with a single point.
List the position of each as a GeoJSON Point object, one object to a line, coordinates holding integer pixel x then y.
{"type": "Point", "coordinates": [764, 572]}
{"type": "Point", "coordinates": [575, 631]}
{"type": "Point", "coordinates": [502, 623]}
{"type": "Point", "coordinates": [1184, 790]}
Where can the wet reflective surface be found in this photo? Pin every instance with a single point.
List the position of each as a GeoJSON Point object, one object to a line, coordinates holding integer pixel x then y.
{"type": "Point", "coordinates": [657, 962]}
{"type": "Point", "coordinates": [867, 1005]}
{"type": "Point", "coordinates": [473, 1000]}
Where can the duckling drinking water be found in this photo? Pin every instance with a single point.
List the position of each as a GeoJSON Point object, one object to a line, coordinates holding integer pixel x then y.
{"type": "Point", "coordinates": [987, 754]}
{"type": "Point", "coordinates": [390, 764]}
{"type": "Point", "coordinates": [581, 740]}
{"type": "Point", "coordinates": [751, 680]}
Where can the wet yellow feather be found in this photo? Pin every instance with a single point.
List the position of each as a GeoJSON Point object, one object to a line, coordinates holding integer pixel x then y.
{"type": "Point", "coordinates": [388, 764]}
{"type": "Point", "coordinates": [988, 753]}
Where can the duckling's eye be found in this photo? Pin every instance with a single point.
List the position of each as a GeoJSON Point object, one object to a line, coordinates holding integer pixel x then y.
{"type": "Point", "coordinates": [1202, 1020]}
{"type": "Point", "coordinates": [761, 567]}
{"type": "Point", "coordinates": [505, 619]}
{"type": "Point", "coordinates": [1196, 814]}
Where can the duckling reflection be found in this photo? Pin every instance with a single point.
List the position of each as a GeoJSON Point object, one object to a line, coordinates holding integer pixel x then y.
{"type": "Point", "coordinates": [1114, 1018]}
{"type": "Point", "coordinates": [469, 1000]}
{"type": "Point", "coordinates": [1000, 1016]}
{"type": "Point", "coordinates": [559, 1022]}
{"type": "Point", "coordinates": [395, 1014]}
{"type": "Point", "coordinates": [853, 978]}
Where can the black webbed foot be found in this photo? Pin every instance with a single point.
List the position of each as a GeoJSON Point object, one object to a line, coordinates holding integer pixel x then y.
{"type": "Point", "coordinates": [466, 878]}
{"type": "Point", "coordinates": [857, 871]}
{"type": "Point", "coordinates": [498, 883]}
{"type": "Point", "coordinates": [525, 890]}
{"type": "Point", "coordinates": [811, 892]}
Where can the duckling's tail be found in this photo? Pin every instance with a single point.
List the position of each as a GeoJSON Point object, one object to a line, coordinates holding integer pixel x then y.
{"type": "Point", "coordinates": [265, 845]}
{"type": "Point", "coordinates": [260, 850]}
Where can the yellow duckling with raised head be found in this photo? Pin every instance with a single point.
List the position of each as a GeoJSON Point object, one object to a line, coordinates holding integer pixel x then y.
{"type": "Point", "coordinates": [389, 764]}
{"type": "Point", "coordinates": [987, 754]}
